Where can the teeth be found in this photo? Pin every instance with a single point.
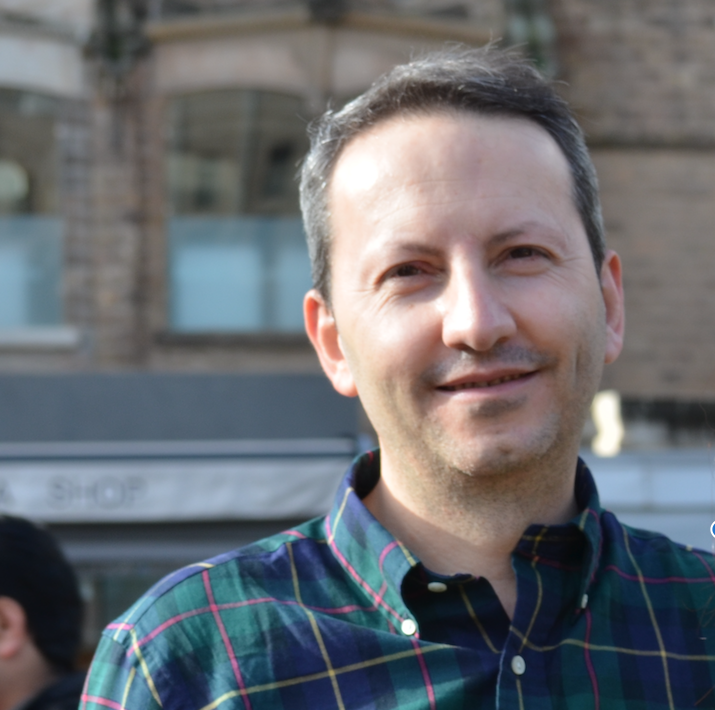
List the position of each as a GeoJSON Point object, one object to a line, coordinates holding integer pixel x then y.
{"type": "Point", "coordinates": [491, 383]}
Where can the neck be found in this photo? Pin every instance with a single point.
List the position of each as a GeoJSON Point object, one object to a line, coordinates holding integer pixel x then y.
{"type": "Point", "coordinates": [457, 523]}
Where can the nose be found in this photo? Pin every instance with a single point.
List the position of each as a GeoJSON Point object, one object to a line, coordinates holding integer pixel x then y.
{"type": "Point", "coordinates": [475, 316]}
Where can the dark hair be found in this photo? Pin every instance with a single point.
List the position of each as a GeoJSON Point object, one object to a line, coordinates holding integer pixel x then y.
{"type": "Point", "coordinates": [486, 81]}
{"type": "Point", "coordinates": [35, 573]}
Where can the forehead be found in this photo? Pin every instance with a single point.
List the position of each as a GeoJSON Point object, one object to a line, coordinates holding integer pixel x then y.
{"type": "Point", "coordinates": [417, 150]}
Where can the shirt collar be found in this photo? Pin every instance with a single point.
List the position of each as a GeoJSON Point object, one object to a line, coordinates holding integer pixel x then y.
{"type": "Point", "coordinates": [379, 563]}
{"type": "Point", "coordinates": [365, 549]}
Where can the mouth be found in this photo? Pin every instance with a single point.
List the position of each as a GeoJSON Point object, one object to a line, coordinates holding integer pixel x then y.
{"type": "Point", "coordinates": [485, 384]}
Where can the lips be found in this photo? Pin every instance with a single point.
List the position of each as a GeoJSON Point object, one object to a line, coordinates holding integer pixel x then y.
{"type": "Point", "coordinates": [483, 384]}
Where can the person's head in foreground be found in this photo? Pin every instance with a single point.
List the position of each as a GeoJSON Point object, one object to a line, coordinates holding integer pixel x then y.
{"type": "Point", "coordinates": [464, 291]}
{"type": "Point", "coordinates": [40, 620]}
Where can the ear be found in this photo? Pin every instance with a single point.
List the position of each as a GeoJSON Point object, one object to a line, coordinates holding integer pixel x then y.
{"type": "Point", "coordinates": [13, 628]}
{"type": "Point", "coordinates": [612, 290]}
{"type": "Point", "coordinates": [323, 333]}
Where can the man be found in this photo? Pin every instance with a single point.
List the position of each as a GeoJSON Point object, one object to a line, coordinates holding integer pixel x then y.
{"type": "Point", "coordinates": [463, 290]}
{"type": "Point", "coordinates": [40, 621]}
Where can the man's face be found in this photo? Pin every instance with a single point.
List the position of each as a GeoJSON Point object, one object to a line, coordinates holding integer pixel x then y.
{"type": "Point", "coordinates": [466, 311]}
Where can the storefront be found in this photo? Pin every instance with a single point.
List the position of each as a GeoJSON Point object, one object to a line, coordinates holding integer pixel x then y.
{"type": "Point", "coordinates": [138, 474]}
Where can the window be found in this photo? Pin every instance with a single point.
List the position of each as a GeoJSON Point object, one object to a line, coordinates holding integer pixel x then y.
{"type": "Point", "coordinates": [529, 26]}
{"type": "Point", "coordinates": [30, 227]}
{"type": "Point", "coordinates": [237, 255]}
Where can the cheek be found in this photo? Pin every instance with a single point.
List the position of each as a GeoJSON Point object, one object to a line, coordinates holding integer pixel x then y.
{"type": "Point", "coordinates": [585, 337]}
{"type": "Point", "coordinates": [388, 353]}
{"type": "Point", "coordinates": [562, 314]}
{"type": "Point", "coordinates": [548, 319]}
{"type": "Point", "coordinates": [570, 331]}
{"type": "Point", "coordinates": [403, 329]}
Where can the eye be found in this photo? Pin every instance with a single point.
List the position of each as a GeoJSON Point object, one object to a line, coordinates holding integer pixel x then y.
{"type": "Point", "coordinates": [408, 276]}
{"type": "Point", "coordinates": [525, 259]}
{"type": "Point", "coordinates": [524, 253]}
{"type": "Point", "coordinates": [405, 270]}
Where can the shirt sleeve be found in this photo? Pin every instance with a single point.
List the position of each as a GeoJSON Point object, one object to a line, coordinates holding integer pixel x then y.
{"type": "Point", "coordinates": [119, 679]}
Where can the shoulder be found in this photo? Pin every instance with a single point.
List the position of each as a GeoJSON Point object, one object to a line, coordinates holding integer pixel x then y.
{"type": "Point", "coordinates": [655, 561]}
{"type": "Point", "coordinates": [241, 577]}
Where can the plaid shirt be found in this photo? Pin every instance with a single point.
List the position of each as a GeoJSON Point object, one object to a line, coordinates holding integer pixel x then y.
{"type": "Point", "coordinates": [338, 614]}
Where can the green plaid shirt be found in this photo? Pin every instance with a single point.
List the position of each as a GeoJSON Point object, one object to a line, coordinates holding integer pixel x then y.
{"type": "Point", "coordinates": [338, 614]}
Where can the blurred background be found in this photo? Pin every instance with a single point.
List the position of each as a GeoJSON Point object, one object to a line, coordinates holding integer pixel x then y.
{"type": "Point", "coordinates": [159, 402]}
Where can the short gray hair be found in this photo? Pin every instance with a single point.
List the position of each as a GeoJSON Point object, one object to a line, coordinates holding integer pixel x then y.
{"type": "Point", "coordinates": [486, 81]}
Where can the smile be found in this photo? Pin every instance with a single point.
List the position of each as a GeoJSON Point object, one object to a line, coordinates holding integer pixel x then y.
{"type": "Point", "coordinates": [483, 385]}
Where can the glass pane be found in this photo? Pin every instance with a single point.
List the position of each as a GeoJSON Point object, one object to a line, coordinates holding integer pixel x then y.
{"type": "Point", "coordinates": [14, 272]}
{"type": "Point", "coordinates": [215, 275]}
{"type": "Point", "coordinates": [27, 146]}
{"type": "Point", "coordinates": [30, 270]}
{"type": "Point", "coordinates": [292, 277]}
{"type": "Point", "coordinates": [238, 259]}
{"type": "Point", "coordinates": [30, 230]}
{"type": "Point", "coordinates": [238, 274]}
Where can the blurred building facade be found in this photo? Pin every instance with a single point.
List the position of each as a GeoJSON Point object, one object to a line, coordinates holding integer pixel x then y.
{"type": "Point", "coordinates": [149, 227]}
{"type": "Point", "coordinates": [148, 212]}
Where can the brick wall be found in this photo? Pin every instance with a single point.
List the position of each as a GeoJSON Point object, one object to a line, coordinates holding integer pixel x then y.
{"type": "Point", "coordinates": [639, 70]}
{"type": "Point", "coordinates": [641, 75]}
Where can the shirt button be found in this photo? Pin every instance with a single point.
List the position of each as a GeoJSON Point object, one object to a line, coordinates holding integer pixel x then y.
{"type": "Point", "coordinates": [437, 587]}
{"type": "Point", "coordinates": [409, 628]}
{"type": "Point", "coordinates": [518, 665]}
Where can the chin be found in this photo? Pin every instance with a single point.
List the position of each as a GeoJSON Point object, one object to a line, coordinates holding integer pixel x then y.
{"type": "Point", "coordinates": [492, 463]}
{"type": "Point", "coordinates": [501, 454]}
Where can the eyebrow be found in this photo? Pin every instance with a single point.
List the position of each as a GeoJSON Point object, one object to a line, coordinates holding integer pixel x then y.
{"type": "Point", "coordinates": [524, 228]}
{"type": "Point", "coordinates": [494, 240]}
{"type": "Point", "coordinates": [508, 234]}
{"type": "Point", "coordinates": [419, 248]}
